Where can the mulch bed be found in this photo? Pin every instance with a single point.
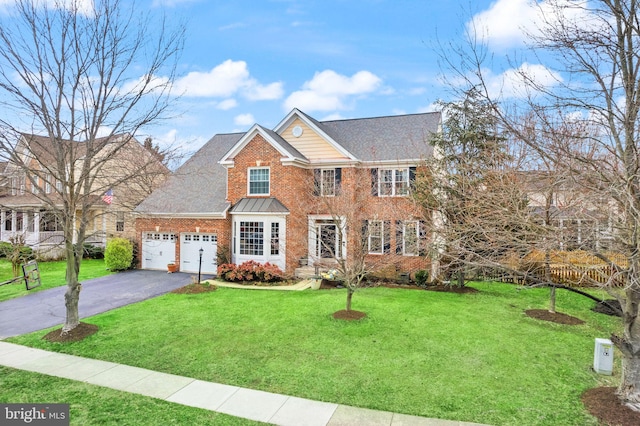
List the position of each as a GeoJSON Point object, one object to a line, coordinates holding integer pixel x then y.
{"type": "Point", "coordinates": [195, 288]}
{"type": "Point", "coordinates": [83, 330]}
{"type": "Point", "coordinates": [557, 317]}
{"type": "Point", "coordinates": [349, 315]}
{"type": "Point", "coordinates": [605, 405]}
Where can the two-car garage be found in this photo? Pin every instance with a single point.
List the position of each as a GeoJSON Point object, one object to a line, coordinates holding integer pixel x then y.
{"type": "Point", "coordinates": [159, 249]}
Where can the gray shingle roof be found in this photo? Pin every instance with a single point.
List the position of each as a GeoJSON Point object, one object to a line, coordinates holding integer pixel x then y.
{"type": "Point", "coordinates": [400, 137]}
{"type": "Point", "coordinates": [198, 186]}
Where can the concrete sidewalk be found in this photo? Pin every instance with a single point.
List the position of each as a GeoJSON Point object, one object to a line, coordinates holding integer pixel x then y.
{"type": "Point", "coordinates": [240, 402]}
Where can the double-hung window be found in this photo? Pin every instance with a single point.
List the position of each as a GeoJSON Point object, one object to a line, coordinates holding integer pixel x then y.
{"type": "Point", "coordinates": [259, 181]}
{"type": "Point", "coordinates": [392, 182]}
{"type": "Point", "coordinates": [410, 238]}
{"type": "Point", "coordinates": [327, 181]}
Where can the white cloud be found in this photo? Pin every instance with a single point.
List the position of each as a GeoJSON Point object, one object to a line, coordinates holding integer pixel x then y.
{"type": "Point", "coordinates": [244, 120]}
{"type": "Point", "coordinates": [516, 83]}
{"type": "Point", "coordinates": [227, 104]}
{"type": "Point", "coordinates": [225, 80]}
{"type": "Point", "coordinates": [171, 3]}
{"type": "Point", "coordinates": [84, 7]}
{"type": "Point", "coordinates": [328, 90]}
{"type": "Point", "coordinates": [507, 22]}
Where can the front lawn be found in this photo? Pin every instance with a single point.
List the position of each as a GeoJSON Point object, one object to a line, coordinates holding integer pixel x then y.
{"type": "Point", "coordinates": [474, 357]}
{"type": "Point", "coordinates": [95, 405]}
{"type": "Point", "coordinates": [52, 274]}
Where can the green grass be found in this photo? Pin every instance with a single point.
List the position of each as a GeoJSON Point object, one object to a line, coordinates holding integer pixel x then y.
{"type": "Point", "coordinates": [52, 274]}
{"type": "Point", "coordinates": [474, 358]}
{"type": "Point", "coordinates": [94, 405]}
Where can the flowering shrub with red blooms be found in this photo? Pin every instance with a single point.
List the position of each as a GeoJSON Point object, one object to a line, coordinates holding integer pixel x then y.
{"type": "Point", "coordinates": [250, 271]}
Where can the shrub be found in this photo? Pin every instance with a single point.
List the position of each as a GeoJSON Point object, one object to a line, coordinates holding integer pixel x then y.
{"type": "Point", "coordinates": [250, 271]}
{"type": "Point", "coordinates": [5, 248]}
{"type": "Point", "coordinates": [422, 276]}
{"type": "Point", "coordinates": [118, 254]}
{"type": "Point", "coordinates": [92, 252]}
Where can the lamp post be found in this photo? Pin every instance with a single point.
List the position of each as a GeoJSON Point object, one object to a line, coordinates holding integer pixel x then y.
{"type": "Point", "coordinates": [200, 263]}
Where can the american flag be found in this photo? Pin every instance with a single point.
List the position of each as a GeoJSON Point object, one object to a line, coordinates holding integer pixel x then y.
{"type": "Point", "coordinates": [108, 197]}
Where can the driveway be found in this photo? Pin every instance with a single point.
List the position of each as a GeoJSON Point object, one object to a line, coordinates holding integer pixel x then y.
{"type": "Point", "coordinates": [44, 309]}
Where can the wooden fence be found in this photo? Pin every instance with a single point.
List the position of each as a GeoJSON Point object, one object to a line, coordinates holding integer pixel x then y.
{"type": "Point", "coordinates": [571, 275]}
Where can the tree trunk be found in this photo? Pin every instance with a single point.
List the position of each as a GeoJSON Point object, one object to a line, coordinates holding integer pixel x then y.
{"type": "Point", "coordinates": [72, 295]}
{"type": "Point", "coordinates": [349, 296]}
{"type": "Point", "coordinates": [461, 278]}
{"type": "Point", "coordinates": [629, 389]}
{"type": "Point", "coordinates": [552, 299]}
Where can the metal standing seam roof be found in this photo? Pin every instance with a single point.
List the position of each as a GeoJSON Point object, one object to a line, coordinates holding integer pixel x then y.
{"type": "Point", "coordinates": [259, 205]}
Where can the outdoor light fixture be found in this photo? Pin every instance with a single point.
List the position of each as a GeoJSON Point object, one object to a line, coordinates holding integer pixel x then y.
{"type": "Point", "coordinates": [200, 263]}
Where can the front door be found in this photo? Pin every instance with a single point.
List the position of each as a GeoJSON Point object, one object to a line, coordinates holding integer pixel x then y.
{"type": "Point", "coordinates": [327, 241]}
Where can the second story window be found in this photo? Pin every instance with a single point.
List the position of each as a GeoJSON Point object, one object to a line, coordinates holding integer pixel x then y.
{"type": "Point", "coordinates": [327, 181]}
{"type": "Point", "coordinates": [392, 182]}
{"type": "Point", "coordinates": [259, 181]}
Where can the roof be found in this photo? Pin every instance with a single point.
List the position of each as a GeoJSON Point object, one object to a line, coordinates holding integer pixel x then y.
{"type": "Point", "coordinates": [400, 137]}
{"type": "Point", "coordinates": [198, 187]}
{"type": "Point", "coordinates": [259, 205]}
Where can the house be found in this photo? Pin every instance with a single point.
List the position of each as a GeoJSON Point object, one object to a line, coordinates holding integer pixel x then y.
{"type": "Point", "coordinates": [258, 195]}
{"type": "Point", "coordinates": [31, 203]}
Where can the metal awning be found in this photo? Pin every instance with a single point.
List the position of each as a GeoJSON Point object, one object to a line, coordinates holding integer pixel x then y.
{"type": "Point", "coordinates": [259, 205]}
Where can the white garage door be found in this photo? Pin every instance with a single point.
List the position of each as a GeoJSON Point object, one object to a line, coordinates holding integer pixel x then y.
{"type": "Point", "coordinates": [190, 245]}
{"type": "Point", "coordinates": [158, 249]}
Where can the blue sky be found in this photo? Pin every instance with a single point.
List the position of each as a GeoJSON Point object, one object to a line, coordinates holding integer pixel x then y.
{"type": "Point", "coordinates": [252, 61]}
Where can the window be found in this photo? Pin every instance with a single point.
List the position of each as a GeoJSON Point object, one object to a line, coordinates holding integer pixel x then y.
{"type": "Point", "coordinates": [49, 222]}
{"type": "Point", "coordinates": [259, 181]}
{"type": "Point", "coordinates": [252, 238]}
{"type": "Point", "coordinates": [327, 181]}
{"type": "Point", "coordinates": [47, 183]}
{"type": "Point", "coordinates": [58, 185]}
{"type": "Point", "coordinates": [119, 221]}
{"type": "Point", "coordinates": [410, 238]}
{"type": "Point", "coordinates": [375, 236]}
{"type": "Point", "coordinates": [19, 221]}
{"type": "Point", "coordinates": [391, 182]}
{"type": "Point", "coordinates": [275, 238]}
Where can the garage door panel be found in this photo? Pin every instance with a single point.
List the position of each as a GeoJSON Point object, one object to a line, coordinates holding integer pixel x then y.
{"type": "Point", "coordinates": [158, 249]}
{"type": "Point", "coordinates": [190, 245]}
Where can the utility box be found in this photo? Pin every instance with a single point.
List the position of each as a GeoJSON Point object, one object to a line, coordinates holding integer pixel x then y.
{"type": "Point", "coordinates": [603, 357]}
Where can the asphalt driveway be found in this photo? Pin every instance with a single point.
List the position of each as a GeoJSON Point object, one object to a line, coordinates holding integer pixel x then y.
{"type": "Point", "coordinates": [46, 308]}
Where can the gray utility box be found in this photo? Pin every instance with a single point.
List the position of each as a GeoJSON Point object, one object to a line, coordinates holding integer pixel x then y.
{"type": "Point", "coordinates": [603, 357]}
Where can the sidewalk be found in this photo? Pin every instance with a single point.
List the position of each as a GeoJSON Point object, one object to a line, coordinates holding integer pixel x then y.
{"type": "Point", "coordinates": [240, 402]}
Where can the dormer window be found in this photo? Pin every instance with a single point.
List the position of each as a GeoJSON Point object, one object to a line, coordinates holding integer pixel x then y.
{"type": "Point", "coordinates": [259, 181]}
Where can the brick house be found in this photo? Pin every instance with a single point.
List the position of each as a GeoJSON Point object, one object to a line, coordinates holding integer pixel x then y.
{"type": "Point", "coordinates": [31, 202]}
{"type": "Point", "coordinates": [259, 196]}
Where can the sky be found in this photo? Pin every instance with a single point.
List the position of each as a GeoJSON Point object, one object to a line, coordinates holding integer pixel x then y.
{"type": "Point", "coordinates": [253, 61]}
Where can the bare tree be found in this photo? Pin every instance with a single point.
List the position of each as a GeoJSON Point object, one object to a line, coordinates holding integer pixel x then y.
{"type": "Point", "coordinates": [354, 236]}
{"type": "Point", "coordinates": [593, 47]}
{"type": "Point", "coordinates": [86, 76]}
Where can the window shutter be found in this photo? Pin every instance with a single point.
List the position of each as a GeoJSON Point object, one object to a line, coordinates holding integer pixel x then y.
{"type": "Point", "coordinates": [412, 179]}
{"type": "Point", "coordinates": [398, 237]}
{"type": "Point", "coordinates": [387, 236]}
{"type": "Point", "coordinates": [422, 238]}
{"type": "Point", "coordinates": [338, 180]}
{"type": "Point", "coordinates": [374, 182]}
{"type": "Point", "coordinates": [365, 235]}
{"type": "Point", "coordinates": [317, 176]}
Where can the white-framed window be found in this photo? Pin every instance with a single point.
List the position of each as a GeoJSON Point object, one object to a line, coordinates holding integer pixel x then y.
{"type": "Point", "coordinates": [327, 181]}
{"type": "Point", "coordinates": [47, 183]}
{"type": "Point", "coordinates": [258, 181]}
{"type": "Point", "coordinates": [252, 238]}
{"type": "Point", "coordinates": [410, 238]}
{"type": "Point", "coordinates": [275, 238]}
{"type": "Point", "coordinates": [391, 182]}
{"type": "Point", "coordinates": [119, 221]}
{"type": "Point", "coordinates": [375, 236]}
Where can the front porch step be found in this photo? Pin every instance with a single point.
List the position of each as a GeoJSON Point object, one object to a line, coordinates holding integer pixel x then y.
{"type": "Point", "coordinates": [305, 272]}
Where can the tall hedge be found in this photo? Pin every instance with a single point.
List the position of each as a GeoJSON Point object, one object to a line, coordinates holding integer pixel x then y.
{"type": "Point", "coordinates": [119, 254]}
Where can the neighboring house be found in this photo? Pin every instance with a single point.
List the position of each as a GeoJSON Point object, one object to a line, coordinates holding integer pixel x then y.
{"type": "Point", "coordinates": [578, 222]}
{"type": "Point", "coordinates": [28, 201]}
{"type": "Point", "coordinates": [253, 195]}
